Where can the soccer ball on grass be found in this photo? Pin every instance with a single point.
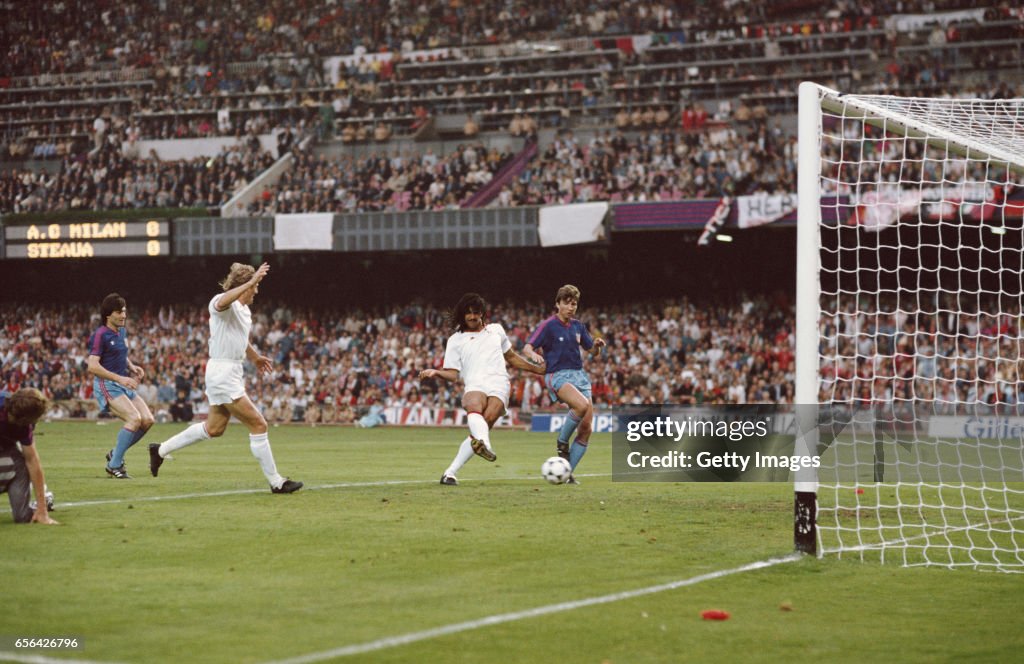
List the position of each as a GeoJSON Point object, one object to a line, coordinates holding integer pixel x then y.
{"type": "Point", "coordinates": [556, 470]}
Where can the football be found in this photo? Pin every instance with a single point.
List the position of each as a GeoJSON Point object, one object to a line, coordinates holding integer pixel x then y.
{"type": "Point", "coordinates": [49, 500]}
{"type": "Point", "coordinates": [556, 470]}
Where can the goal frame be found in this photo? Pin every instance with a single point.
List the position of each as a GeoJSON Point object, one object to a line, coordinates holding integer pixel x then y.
{"type": "Point", "coordinates": [812, 100]}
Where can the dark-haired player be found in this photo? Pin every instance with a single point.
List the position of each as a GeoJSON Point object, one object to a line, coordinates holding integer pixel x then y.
{"type": "Point", "coordinates": [115, 380]}
{"type": "Point", "coordinates": [476, 353]}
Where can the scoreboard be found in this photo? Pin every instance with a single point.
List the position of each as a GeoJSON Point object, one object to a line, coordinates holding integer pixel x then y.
{"type": "Point", "coordinates": [89, 239]}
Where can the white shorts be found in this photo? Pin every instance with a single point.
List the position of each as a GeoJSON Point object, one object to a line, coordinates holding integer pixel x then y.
{"type": "Point", "coordinates": [225, 381]}
{"type": "Point", "coordinates": [492, 387]}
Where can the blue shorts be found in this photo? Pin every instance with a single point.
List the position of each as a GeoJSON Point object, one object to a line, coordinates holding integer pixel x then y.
{"type": "Point", "coordinates": [576, 377]}
{"type": "Point", "coordinates": [106, 391]}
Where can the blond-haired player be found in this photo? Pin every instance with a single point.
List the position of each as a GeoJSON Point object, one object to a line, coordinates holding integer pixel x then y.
{"type": "Point", "coordinates": [230, 323]}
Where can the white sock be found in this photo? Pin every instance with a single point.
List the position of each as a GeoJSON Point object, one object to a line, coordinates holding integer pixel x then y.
{"type": "Point", "coordinates": [478, 428]}
{"type": "Point", "coordinates": [190, 436]}
{"type": "Point", "coordinates": [260, 446]}
{"type": "Point", "coordinates": [465, 454]}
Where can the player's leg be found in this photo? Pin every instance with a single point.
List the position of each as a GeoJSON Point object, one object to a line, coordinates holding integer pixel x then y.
{"type": "Point", "coordinates": [493, 411]}
{"type": "Point", "coordinates": [214, 426]}
{"type": "Point", "coordinates": [474, 401]}
{"type": "Point", "coordinates": [145, 418]}
{"type": "Point", "coordinates": [259, 444]}
{"type": "Point", "coordinates": [123, 407]}
{"type": "Point", "coordinates": [554, 382]}
{"type": "Point", "coordinates": [464, 454]}
{"type": "Point", "coordinates": [581, 407]}
{"type": "Point", "coordinates": [15, 481]}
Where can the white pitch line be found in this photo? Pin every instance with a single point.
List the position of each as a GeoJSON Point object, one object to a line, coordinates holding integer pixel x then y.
{"type": "Point", "coordinates": [455, 628]}
{"type": "Point", "coordinates": [241, 492]}
{"type": "Point", "coordinates": [40, 659]}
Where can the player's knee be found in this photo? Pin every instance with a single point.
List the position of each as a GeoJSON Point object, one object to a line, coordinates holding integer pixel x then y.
{"type": "Point", "coordinates": [586, 419]}
{"type": "Point", "coordinates": [216, 429]}
{"type": "Point", "coordinates": [133, 422]}
{"type": "Point", "coordinates": [22, 513]}
{"type": "Point", "coordinates": [147, 422]}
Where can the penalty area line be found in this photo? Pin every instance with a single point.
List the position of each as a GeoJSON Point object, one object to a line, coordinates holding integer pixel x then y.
{"type": "Point", "coordinates": [498, 619]}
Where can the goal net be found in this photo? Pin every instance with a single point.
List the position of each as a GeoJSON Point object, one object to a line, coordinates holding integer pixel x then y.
{"type": "Point", "coordinates": [910, 344]}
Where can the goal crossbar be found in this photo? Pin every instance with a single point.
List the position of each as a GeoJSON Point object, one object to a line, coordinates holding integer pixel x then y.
{"type": "Point", "coordinates": [897, 114]}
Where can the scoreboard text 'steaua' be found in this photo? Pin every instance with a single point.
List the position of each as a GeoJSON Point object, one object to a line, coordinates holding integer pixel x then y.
{"type": "Point", "coordinates": [89, 239]}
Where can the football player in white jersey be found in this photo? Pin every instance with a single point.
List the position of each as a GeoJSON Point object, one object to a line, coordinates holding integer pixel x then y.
{"type": "Point", "coordinates": [230, 322]}
{"type": "Point", "coordinates": [477, 353]}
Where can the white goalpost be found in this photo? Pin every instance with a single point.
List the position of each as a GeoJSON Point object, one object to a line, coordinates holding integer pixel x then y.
{"type": "Point", "coordinates": [910, 341]}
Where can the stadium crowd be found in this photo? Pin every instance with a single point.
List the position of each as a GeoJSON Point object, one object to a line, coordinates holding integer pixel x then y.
{"type": "Point", "coordinates": [183, 70]}
{"type": "Point", "coordinates": [666, 164]}
{"type": "Point", "coordinates": [71, 85]}
{"type": "Point", "coordinates": [66, 36]}
{"type": "Point", "coordinates": [378, 182]}
{"type": "Point", "coordinates": [331, 366]}
{"type": "Point", "coordinates": [110, 180]}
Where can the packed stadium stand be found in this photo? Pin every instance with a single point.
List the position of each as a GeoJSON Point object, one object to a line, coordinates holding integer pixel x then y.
{"type": "Point", "coordinates": [658, 351]}
{"type": "Point", "coordinates": [400, 106]}
{"type": "Point", "coordinates": [78, 77]}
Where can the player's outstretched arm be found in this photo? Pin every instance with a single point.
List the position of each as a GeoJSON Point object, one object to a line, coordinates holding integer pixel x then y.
{"type": "Point", "coordinates": [517, 361]}
{"type": "Point", "coordinates": [35, 474]}
{"type": "Point", "coordinates": [225, 300]}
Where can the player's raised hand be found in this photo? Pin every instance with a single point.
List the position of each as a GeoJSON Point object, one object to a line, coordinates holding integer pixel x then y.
{"type": "Point", "coordinates": [261, 272]}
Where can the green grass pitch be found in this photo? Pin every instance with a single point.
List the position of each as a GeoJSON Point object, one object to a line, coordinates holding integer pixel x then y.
{"type": "Point", "coordinates": [204, 564]}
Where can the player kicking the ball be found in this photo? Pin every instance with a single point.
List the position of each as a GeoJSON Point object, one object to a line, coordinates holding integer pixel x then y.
{"type": "Point", "coordinates": [477, 353]}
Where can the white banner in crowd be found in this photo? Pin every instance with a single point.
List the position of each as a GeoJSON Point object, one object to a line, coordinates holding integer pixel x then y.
{"type": "Point", "coordinates": [425, 416]}
{"type": "Point", "coordinates": [303, 231]}
{"type": "Point", "coordinates": [571, 224]}
{"type": "Point", "coordinates": [914, 22]}
{"type": "Point", "coordinates": [763, 209]}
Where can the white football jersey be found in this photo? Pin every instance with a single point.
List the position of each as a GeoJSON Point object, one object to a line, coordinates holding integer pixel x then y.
{"type": "Point", "coordinates": [478, 355]}
{"type": "Point", "coordinates": [229, 330]}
